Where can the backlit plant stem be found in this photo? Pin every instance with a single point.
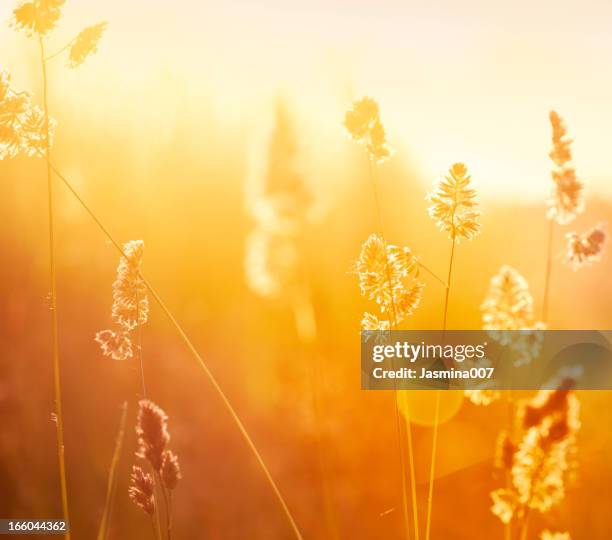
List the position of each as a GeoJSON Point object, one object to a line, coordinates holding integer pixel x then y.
{"type": "Point", "coordinates": [59, 419]}
{"type": "Point", "coordinates": [549, 252]}
{"type": "Point", "coordinates": [434, 444]}
{"type": "Point", "coordinates": [396, 394]}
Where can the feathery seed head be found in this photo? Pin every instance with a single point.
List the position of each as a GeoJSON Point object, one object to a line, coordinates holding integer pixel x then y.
{"type": "Point", "coordinates": [170, 470]}
{"type": "Point", "coordinates": [508, 304]}
{"type": "Point", "coordinates": [142, 489]}
{"type": "Point", "coordinates": [116, 345]}
{"type": "Point", "coordinates": [453, 205]}
{"type": "Point", "coordinates": [130, 301]}
{"type": "Point", "coordinates": [372, 322]}
{"type": "Point", "coordinates": [22, 125]}
{"type": "Point", "coordinates": [37, 16]}
{"type": "Point", "coordinates": [567, 200]}
{"type": "Point", "coordinates": [362, 122]}
{"type": "Point", "coordinates": [585, 249]}
{"type": "Point", "coordinates": [381, 270]}
{"type": "Point", "coordinates": [85, 44]}
{"type": "Point", "coordinates": [152, 432]}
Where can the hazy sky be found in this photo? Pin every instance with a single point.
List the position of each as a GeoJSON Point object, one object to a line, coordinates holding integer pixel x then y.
{"type": "Point", "coordinates": [457, 80]}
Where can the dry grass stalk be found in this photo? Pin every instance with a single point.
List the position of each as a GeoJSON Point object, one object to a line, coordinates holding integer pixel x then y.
{"type": "Point", "coordinates": [454, 209]}
{"type": "Point", "coordinates": [130, 309]}
{"type": "Point", "coordinates": [376, 275]}
{"type": "Point", "coordinates": [26, 128]}
{"type": "Point", "coordinates": [153, 439]}
{"type": "Point", "coordinates": [112, 478]}
{"type": "Point", "coordinates": [567, 200]}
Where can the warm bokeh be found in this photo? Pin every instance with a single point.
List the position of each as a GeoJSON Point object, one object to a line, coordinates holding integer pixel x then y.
{"type": "Point", "coordinates": [186, 113]}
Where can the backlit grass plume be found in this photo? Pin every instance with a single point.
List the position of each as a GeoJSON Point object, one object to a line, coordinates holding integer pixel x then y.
{"type": "Point", "coordinates": [541, 462]}
{"type": "Point", "coordinates": [152, 432]}
{"type": "Point", "coordinates": [453, 205]}
{"type": "Point", "coordinates": [508, 314]}
{"type": "Point", "coordinates": [567, 200]}
{"type": "Point", "coordinates": [142, 490]}
{"type": "Point", "coordinates": [281, 206]}
{"type": "Point", "coordinates": [130, 304]}
{"type": "Point", "coordinates": [363, 124]}
{"type": "Point", "coordinates": [383, 271]}
{"type": "Point", "coordinates": [22, 124]}
{"type": "Point", "coordinates": [585, 249]}
{"type": "Point", "coordinates": [37, 16]}
{"type": "Point", "coordinates": [508, 304]}
{"type": "Point", "coordinates": [153, 439]}
{"type": "Point", "coordinates": [85, 44]}
{"type": "Point", "coordinates": [454, 209]}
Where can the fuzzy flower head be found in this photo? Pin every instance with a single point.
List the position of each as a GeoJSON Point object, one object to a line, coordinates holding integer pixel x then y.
{"type": "Point", "coordinates": [567, 200]}
{"type": "Point", "coordinates": [509, 306]}
{"type": "Point", "coordinates": [170, 470]}
{"type": "Point", "coordinates": [37, 16]}
{"type": "Point", "coordinates": [383, 271]}
{"type": "Point", "coordinates": [116, 345]}
{"type": "Point", "coordinates": [85, 44]}
{"type": "Point", "coordinates": [585, 249]}
{"type": "Point", "coordinates": [362, 122]}
{"type": "Point", "coordinates": [142, 489]}
{"type": "Point", "coordinates": [130, 301]}
{"type": "Point", "coordinates": [152, 432]}
{"type": "Point", "coordinates": [23, 126]}
{"type": "Point", "coordinates": [453, 205]}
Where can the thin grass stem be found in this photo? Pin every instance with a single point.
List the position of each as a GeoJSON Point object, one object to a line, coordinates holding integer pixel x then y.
{"type": "Point", "coordinates": [549, 252]}
{"type": "Point", "coordinates": [111, 487]}
{"type": "Point", "coordinates": [59, 418]}
{"type": "Point", "coordinates": [306, 326]}
{"type": "Point", "coordinates": [393, 324]}
{"type": "Point", "coordinates": [197, 357]}
{"type": "Point", "coordinates": [434, 446]}
{"type": "Point", "coordinates": [164, 493]}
